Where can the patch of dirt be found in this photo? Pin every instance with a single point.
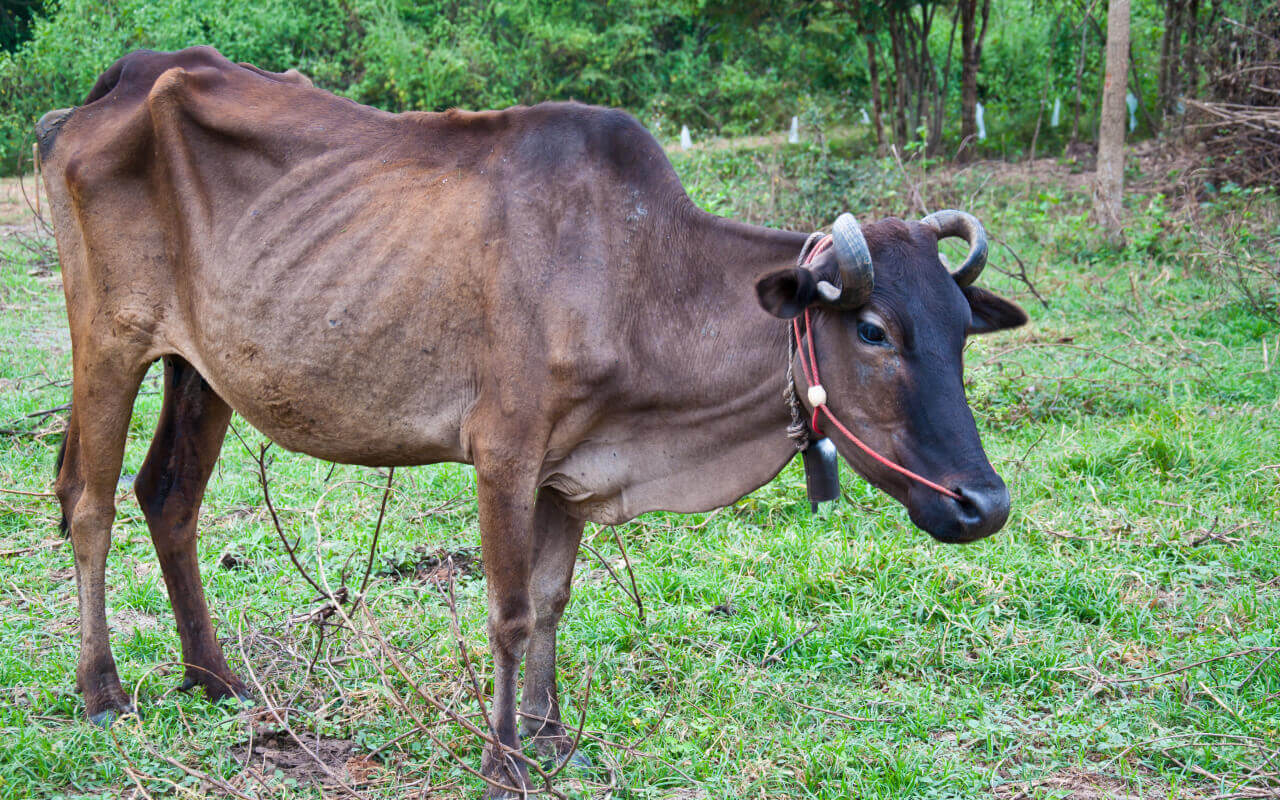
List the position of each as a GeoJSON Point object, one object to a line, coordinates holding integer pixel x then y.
{"type": "Point", "coordinates": [232, 560]}
{"type": "Point", "coordinates": [126, 622]}
{"type": "Point", "coordinates": [1153, 597]}
{"type": "Point", "coordinates": [14, 213]}
{"type": "Point", "coordinates": [1074, 783]}
{"type": "Point", "coordinates": [281, 753]}
{"type": "Point", "coordinates": [236, 513]}
{"type": "Point", "coordinates": [433, 565]}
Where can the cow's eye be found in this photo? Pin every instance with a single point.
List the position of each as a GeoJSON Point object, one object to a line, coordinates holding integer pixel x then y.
{"type": "Point", "coordinates": [871, 333]}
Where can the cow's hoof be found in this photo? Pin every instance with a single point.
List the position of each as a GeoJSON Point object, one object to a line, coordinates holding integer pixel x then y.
{"type": "Point", "coordinates": [579, 760]}
{"type": "Point", "coordinates": [513, 774]}
{"type": "Point", "coordinates": [106, 717]}
{"type": "Point", "coordinates": [495, 793]}
{"type": "Point", "coordinates": [218, 687]}
{"type": "Point", "coordinates": [554, 750]}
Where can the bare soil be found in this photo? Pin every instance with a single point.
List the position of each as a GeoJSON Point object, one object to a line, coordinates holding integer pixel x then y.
{"type": "Point", "coordinates": [281, 753]}
{"type": "Point", "coordinates": [15, 214]}
{"type": "Point", "coordinates": [437, 566]}
{"type": "Point", "coordinates": [1076, 783]}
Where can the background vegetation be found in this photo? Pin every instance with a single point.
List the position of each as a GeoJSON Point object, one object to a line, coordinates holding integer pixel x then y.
{"type": "Point", "coordinates": [717, 66]}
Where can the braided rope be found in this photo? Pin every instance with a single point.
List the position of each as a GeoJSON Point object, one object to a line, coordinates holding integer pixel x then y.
{"type": "Point", "coordinates": [798, 431]}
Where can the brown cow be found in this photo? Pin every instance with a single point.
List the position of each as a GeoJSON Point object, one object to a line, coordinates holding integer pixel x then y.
{"type": "Point", "coordinates": [530, 291]}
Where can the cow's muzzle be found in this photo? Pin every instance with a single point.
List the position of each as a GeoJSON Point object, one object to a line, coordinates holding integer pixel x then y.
{"type": "Point", "coordinates": [981, 511]}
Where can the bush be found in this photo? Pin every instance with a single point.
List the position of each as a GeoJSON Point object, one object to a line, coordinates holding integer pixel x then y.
{"type": "Point", "coordinates": [661, 60]}
{"type": "Point", "coordinates": [720, 67]}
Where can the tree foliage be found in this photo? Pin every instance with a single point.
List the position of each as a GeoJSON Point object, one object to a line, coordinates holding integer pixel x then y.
{"type": "Point", "coordinates": [717, 66]}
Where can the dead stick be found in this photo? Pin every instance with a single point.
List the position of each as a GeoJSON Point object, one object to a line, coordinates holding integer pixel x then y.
{"type": "Point", "coordinates": [1167, 673]}
{"type": "Point", "coordinates": [47, 411]}
{"type": "Point", "coordinates": [612, 574]}
{"type": "Point", "coordinates": [635, 590]}
{"type": "Point", "coordinates": [275, 714]}
{"type": "Point", "coordinates": [373, 547]}
{"type": "Point", "coordinates": [821, 710]}
{"type": "Point", "coordinates": [27, 494]}
{"type": "Point", "coordinates": [260, 458]}
{"type": "Point", "coordinates": [774, 658]}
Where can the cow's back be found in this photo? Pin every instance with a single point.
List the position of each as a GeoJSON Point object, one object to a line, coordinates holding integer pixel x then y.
{"type": "Point", "coordinates": [354, 282]}
{"type": "Point", "coordinates": [270, 234]}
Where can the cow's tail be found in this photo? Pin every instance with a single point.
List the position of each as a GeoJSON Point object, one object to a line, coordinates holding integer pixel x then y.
{"type": "Point", "coordinates": [63, 524]}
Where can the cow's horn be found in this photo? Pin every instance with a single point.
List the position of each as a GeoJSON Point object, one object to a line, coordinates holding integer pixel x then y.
{"type": "Point", "coordinates": [964, 226]}
{"type": "Point", "coordinates": [857, 276]}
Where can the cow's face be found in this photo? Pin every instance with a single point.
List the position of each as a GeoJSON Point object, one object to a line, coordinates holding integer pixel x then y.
{"type": "Point", "coordinates": [893, 367]}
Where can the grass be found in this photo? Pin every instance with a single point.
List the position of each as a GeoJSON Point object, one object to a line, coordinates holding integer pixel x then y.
{"type": "Point", "coordinates": [781, 654]}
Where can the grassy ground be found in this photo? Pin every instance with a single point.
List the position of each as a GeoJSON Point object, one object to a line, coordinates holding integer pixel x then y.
{"type": "Point", "coordinates": [1117, 639]}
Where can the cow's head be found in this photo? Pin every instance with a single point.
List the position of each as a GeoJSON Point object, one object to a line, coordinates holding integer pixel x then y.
{"type": "Point", "coordinates": [889, 324]}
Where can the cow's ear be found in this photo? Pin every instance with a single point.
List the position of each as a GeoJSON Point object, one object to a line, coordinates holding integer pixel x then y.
{"type": "Point", "coordinates": [787, 292]}
{"type": "Point", "coordinates": [991, 312]}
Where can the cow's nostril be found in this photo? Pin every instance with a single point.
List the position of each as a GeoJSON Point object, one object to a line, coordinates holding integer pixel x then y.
{"type": "Point", "coordinates": [970, 507]}
{"type": "Point", "coordinates": [975, 512]}
{"type": "Point", "coordinates": [983, 510]}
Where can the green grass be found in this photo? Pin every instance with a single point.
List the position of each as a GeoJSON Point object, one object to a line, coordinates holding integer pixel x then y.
{"type": "Point", "coordinates": [1133, 418]}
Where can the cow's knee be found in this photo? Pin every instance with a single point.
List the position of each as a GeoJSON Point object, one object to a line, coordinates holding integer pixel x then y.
{"type": "Point", "coordinates": [90, 525]}
{"type": "Point", "coordinates": [160, 495]}
{"type": "Point", "coordinates": [151, 493]}
{"type": "Point", "coordinates": [550, 602]}
{"type": "Point", "coordinates": [510, 626]}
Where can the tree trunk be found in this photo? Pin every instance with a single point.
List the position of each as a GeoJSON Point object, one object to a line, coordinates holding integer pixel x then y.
{"type": "Point", "coordinates": [1176, 51]}
{"type": "Point", "coordinates": [971, 49]}
{"type": "Point", "coordinates": [875, 92]}
{"type": "Point", "coordinates": [940, 92]}
{"type": "Point", "coordinates": [1191, 66]}
{"type": "Point", "coordinates": [1109, 180]}
{"type": "Point", "coordinates": [1075, 115]}
{"type": "Point", "coordinates": [927, 83]}
{"type": "Point", "coordinates": [1170, 54]}
{"type": "Point", "coordinates": [900, 134]}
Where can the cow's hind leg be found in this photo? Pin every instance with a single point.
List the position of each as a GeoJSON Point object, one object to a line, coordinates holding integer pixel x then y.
{"type": "Point", "coordinates": [103, 390]}
{"type": "Point", "coordinates": [555, 550]}
{"type": "Point", "coordinates": [170, 486]}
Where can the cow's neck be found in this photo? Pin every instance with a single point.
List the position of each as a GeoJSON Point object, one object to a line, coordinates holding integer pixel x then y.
{"type": "Point", "coordinates": [746, 373]}
{"type": "Point", "coordinates": [723, 419]}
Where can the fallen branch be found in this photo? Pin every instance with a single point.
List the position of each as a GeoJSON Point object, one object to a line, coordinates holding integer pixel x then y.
{"type": "Point", "coordinates": [21, 551]}
{"type": "Point", "coordinates": [821, 710]}
{"type": "Point", "coordinates": [773, 658]}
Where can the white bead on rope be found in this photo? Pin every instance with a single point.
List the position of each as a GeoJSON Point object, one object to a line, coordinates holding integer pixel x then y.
{"type": "Point", "coordinates": [817, 396]}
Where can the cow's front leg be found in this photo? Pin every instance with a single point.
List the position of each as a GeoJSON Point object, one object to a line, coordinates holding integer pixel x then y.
{"type": "Point", "coordinates": [557, 536]}
{"type": "Point", "coordinates": [506, 493]}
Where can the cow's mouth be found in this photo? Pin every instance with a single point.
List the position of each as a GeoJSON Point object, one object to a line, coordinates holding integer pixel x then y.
{"type": "Point", "coordinates": [978, 513]}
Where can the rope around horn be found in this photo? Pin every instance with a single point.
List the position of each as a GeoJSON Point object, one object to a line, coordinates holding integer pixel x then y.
{"type": "Point", "coordinates": [798, 431]}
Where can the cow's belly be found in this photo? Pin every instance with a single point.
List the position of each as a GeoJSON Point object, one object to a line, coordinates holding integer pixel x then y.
{"type": "Point", "coordinates": [341, 326]}
{"type": "Point", "coordinates": [363, 373]}
{"type": "Point", "coordinates": [367, 403]}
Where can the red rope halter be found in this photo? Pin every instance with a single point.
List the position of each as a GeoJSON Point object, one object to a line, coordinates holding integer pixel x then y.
{"type": "Point", "coordinates": [810, 370]}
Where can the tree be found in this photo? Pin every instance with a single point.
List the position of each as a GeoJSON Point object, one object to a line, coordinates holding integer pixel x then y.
{"type": "Point", "coordinates": [971, 37]}
{"type": "Point", "coordinates": [1108, 187]}
{"type": "Point", "coordinates": [1179, 54]}
{"type": "Point", "coordinates": [15, 21]}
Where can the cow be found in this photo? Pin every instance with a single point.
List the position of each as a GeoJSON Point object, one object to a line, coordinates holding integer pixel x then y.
{"type": "Point", "coordinates": [529, 291]}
